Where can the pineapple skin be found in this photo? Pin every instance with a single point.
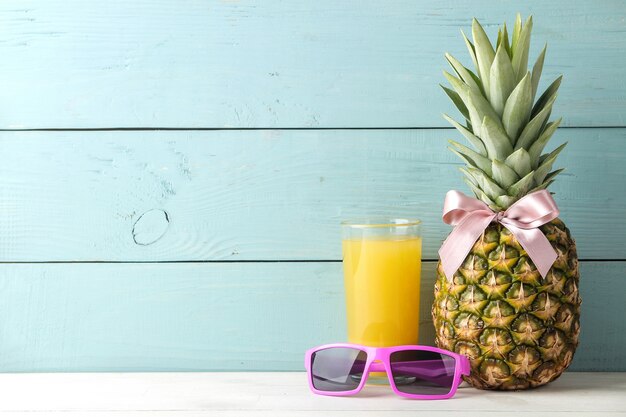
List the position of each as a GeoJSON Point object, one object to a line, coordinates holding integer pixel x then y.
{"type": "Point", "coordinates": [519, 330]}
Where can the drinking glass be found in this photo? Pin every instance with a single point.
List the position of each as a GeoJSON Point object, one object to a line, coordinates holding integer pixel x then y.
{"type": "Point", "coordinates": [382, 264]}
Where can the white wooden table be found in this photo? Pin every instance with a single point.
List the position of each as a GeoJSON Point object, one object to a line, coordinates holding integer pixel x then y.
{"type": "Point", "coordinates": [286, 394]}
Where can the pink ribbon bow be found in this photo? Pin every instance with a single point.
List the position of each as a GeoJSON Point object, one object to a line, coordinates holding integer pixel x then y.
{"type": "Point", "coordinates": [470, 217]}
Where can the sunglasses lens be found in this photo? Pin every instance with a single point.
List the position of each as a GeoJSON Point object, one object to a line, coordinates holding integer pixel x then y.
{"type": "Point", "coordinates": [422, 372]}
{"type": "Point", "coordinates": [337, 369]}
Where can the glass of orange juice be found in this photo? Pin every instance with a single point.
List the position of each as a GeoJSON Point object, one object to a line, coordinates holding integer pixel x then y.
{"type": "Point", "coordinates": [382, 263]}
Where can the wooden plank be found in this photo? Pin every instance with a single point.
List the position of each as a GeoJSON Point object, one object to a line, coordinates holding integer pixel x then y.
{"type": "Point", "coordinates": [287, 394]}
{"type": "Point", "coordinates": [262, 195]}
{"type": "Point", "coordinates": [223, 316]}
{"type": "Point", "coordinates": [70, 63]}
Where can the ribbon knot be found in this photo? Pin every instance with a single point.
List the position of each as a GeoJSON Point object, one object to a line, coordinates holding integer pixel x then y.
{"type": "Point", "coordinates": [470, 217]}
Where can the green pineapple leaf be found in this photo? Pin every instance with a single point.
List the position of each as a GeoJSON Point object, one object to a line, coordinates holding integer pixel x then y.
{"type": "Point", "coordinates": [505, 201]}
{"type": "Point", "coordinates": [517, 29]}
{"type": "Point", "coordinates": [463, 92]}
{"type": "Point", "coordinates": [544, 157]}
{"type": "Point", "coordinates": [521, 187]}
{"type": "Point", "coordinates": [546, 163]}
{"type": "Point", "coordinates": [520, 53]}
{"type": "Point", "coordinates": [471, 157]}
{"type": "Point", "coordinates": [542, 186]}
{"type": "Point", "coordinates": [481, 195]}
{"type": "Point", "coordinates": [553, 174]}
{"type": "Point", "coordinates": [484, 53]}
{"type": "Point", "coordinates": [465, 74]}
{"type": "Point", "coordinates": [476, 103]}
{"type": "Point", "coordinates": [517, 108]}
{"type": "Point", "coordinates": [537, 68]}
{"type": "Point", "coordinates": [503, 40]}
{"type": "Point", "coordinates": [503, 174]}
{"type": "Point", "coordinates": [459, 87]}
{"type": "Point", "coordinates": [486, 184]}
{"type": "Point", "coordinates": [547, 95]}
{"type": "Point", "coordinates": [474, 140]}
{"type": "Point", "coordinates": [520, 162]}
{"type": "Point", "coordinates": [456, 99]}
{"type": "Point", "coordinates": [479, 108]}
{"type": "Point", "coordinates": [501, 79]}
{"type": "Point", "coordinates": [537, 147]}
{"type": "Point", "coordinates": [531, 131]}
{"type": "Point", "coordinates": [468, 176]}
{"type": "Point", "coordinates": [471, 50]}
{"type": "Point", "coordinates": [495, 139]}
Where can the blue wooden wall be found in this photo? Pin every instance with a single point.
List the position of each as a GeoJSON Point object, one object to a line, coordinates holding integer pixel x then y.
{"type": "Point", "coordinates": [173, 173]}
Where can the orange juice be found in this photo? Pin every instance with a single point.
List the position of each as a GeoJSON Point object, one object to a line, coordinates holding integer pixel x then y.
{"type": "Point", "coordinates": [382, 283]}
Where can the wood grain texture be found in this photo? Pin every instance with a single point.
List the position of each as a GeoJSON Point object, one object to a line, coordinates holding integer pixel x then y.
{"type": "Point", "coordinates": [223, 316]}
{"type": "Point", "coordinates": [72, 63]}
{"type": "Point", "coordinates": [287, 394]}
{"type": "Point", "coordinates": [262, 195]}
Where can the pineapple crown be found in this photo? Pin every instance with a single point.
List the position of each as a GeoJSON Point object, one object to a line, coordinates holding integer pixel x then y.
{"type": "Point", "coordinates": [507, 131]}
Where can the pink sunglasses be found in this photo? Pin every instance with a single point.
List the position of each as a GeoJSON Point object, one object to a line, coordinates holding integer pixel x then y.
{"type": "Point", "coordinates": [419, 372]}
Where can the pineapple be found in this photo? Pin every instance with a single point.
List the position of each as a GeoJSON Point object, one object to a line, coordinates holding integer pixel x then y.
{"type": "Point", "coordinates": [518, 329]}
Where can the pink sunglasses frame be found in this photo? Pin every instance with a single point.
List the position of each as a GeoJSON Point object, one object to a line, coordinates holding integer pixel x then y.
{"type": "Point", "coordinates": [461, 367]}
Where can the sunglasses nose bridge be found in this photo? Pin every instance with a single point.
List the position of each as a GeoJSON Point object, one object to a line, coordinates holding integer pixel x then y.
{"type": "Point", "coordinates": [377, 366]}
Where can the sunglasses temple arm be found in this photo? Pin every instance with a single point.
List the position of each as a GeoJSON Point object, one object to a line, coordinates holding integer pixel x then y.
{"type": "Point", "coordinates": [465, 365]}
